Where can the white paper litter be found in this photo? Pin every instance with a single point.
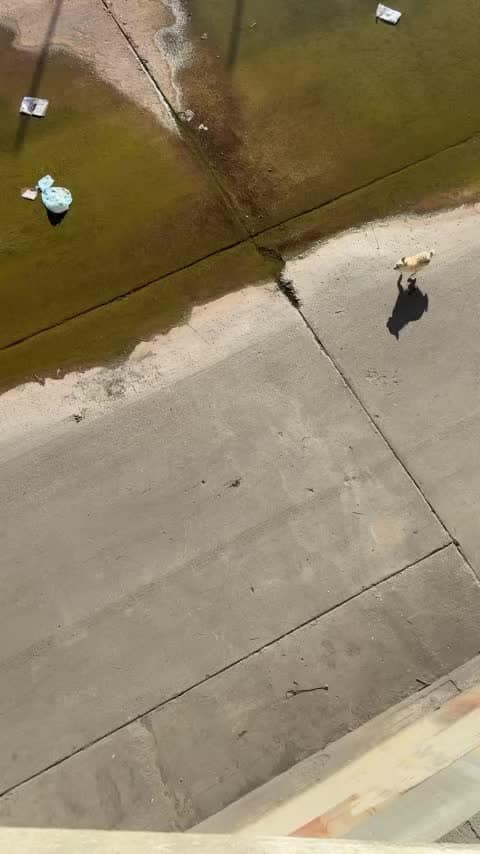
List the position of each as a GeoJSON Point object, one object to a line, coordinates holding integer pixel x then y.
{"type": "Point", "coordinates": [30, 193]}
{"type": "Point", "coordinates": [391, 16]}
{"type": "Point", "coordinates": [34, 107]}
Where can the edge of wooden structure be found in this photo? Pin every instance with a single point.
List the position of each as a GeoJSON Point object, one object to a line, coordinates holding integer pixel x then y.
{"type": "Point", "coordinates": [343, 789]}
{"type": "Point", "coordinates": [46, 841]}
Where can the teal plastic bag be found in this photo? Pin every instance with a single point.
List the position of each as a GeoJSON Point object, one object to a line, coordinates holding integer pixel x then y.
{"type": "Point", "coordinates": [57, 199]}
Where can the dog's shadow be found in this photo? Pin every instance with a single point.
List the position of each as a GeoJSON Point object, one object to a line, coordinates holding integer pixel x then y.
{"type": "Point", "coordinates": [410, 306]}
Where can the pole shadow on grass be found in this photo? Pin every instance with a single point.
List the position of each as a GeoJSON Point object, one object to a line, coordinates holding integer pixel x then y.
{"type": "Point", "coordinates": [234, 42]}
{"type": "Point", "coordinates": [37, 76]}
{"type": "Point", "coordinates": [409, 307]}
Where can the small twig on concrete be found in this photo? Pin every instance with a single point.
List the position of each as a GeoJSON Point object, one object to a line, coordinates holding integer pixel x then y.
{"type": "Point", "coordinates": [293, 692]}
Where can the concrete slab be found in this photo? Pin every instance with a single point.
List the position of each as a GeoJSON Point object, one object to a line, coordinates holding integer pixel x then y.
{"type": "Point", "coordinates": [181, 522]}
{"type": "Point", "coordinates": [204, 749]}
{"type": "Point", "coordinates": [143, 206]}
{"type": "Point", "coordinates": [421, 389]}
{"type": "Point", "coordinates": [365, 635]}
{"type": "Point", "coordinates": [304, 104]}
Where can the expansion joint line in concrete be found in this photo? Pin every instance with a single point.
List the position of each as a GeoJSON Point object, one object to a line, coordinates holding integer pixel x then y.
{"type": "Point", "coordinates": [210, 676]}
{"type": "Point", "coordinates": [287, 286]}
{"type": "Point", "coordinates": [234, 210]}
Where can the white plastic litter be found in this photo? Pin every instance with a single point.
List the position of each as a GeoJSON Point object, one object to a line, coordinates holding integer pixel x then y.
{"type": "Point", "coordinates": [34, 107]}
{"type": "Point", "coordinates": [391, 16]}
{"type": "Point", "coordinates": [202, 126]}
{"type": "Point", "coordinates": [30, 193]}
{"type": "Point", "coordinates": [57, 199]}
{"type": "Point", "coordinates": [45, 183]}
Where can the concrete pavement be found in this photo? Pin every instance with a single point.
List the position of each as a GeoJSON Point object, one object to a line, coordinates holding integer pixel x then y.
{"type": "Point", "coordinates": [210, 499]}
{"type": "Point", "coordinates": [174, 568]}
{"type": "Point", "coordinates": [421, 390]}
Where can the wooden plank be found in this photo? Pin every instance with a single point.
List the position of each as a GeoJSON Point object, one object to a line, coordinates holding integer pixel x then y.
{"type": "Point", "coordinates": [430, 810]}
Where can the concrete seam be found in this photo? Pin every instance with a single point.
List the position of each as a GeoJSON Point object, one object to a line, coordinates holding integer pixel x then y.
{"type": "Point", "coordinates": [220, 671]}
{"type": "Point", "coordinates": [228, 198]}
{"type": "Point", "coordinates": [123, 296]}
{"type": "Point", "coordinates": [378, 180]}
{"type": "Point", "coordinates": [349, 385]}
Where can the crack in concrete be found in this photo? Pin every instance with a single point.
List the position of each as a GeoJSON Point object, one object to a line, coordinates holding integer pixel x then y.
{"type": "Point", "coordinates": [141, 715]}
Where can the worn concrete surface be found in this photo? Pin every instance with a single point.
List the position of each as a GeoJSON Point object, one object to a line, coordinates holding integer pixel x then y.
{"type": "Point", "coordinates": [170, 533]}
{"type": "Point", "coordinates": [182, 528]}
{"type": "Point", "coordinates": [422, 389]}
{"type": "Point", "coordinates": [197, 753]}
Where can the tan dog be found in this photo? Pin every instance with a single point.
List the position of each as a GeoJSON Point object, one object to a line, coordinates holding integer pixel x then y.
{"type": "Point", "coordinates": [411, 264]}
